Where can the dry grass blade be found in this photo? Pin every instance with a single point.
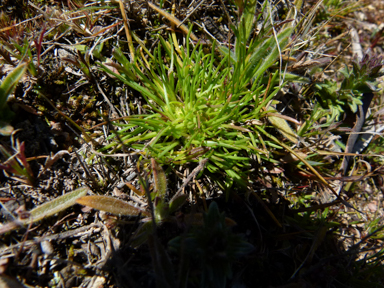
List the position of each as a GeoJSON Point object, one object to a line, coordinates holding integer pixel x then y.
{"type": "Point", "coordinates": [190, 176]}
{"type": "Point", "coordinates": [52, 159]}
{"type": "Point", "coordinates": [270, 213]}
{"type": "Point", "coordinates": [314, 171]}
{"type": "Point", "coordinates": [127, 32]}
{"type": "Point", "coordinates": [133, 188]}
{"type": "Point", "coordinates": [173, 19]}
{"type": "Point", "coordinates": [309, 166]}
{"type": "Point", "coordinates": [20, 23]}
{"type": "Point", "coordinates": [295, 8]}
{"type": "Point", "coordinates": [322, 152]}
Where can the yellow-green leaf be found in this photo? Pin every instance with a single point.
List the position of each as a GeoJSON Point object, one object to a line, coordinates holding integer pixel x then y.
{"type": "Point", "coordinates": [111, 205]}
{"type": "Point", "coordinates": [10, 82]}
{"type": "Point", "coordinates": [52, 207]}
{"type": "Point", "coordinates": [283, 127]}
{"type": "Point", "coordinates": [177, 202]}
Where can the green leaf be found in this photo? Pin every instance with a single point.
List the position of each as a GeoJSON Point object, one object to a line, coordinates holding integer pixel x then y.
{"type": "Point", "coordinates": [273, 52]}
{"type": "Point", "coordinates": [81, 48]}
{"type": "Point", "coordinates": [290, 77]}
{"type": "Point", "coordinates": [161, 209]}
{"type": "Point", "coordinates": [176, 203]}
{"type": "Point", "coordinates": [141, 234]}
{"type": "Point", "coordinates": [145, 92]}
{"type": "Point", "coordinates": [111, 205]}
{"type": "Point", "coordinates": [10, 83]}
{"type": "Point", "coordinates": [246, 22]}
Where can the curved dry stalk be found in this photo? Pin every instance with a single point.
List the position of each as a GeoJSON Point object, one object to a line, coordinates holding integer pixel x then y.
{"type": "Point", "coordinates": [127, 32]}
{"type": "Point", "coordinates": [173, 19]}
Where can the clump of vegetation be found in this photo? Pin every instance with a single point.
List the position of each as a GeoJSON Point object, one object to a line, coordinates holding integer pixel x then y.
{"type": "Point", "coordinates": [204, 105]}
{"type": "Point", "coordinates": [362, 78]}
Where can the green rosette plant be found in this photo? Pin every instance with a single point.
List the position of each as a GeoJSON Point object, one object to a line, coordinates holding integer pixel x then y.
{"type": "Point", "coordinates": [203, 105]}
{"type": "Point", "coordinates": [356, 80]}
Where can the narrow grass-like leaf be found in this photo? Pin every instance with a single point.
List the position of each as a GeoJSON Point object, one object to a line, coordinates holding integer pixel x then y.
{"type": "Point", "coordinates": [169, 148]}
{"type": "Point", "coordinates": [127, 30]}
{"type": "Point", "coordinates": [52, 207]}
{"type": "Point", "coordinates": [247, 18]}
{"type": "Point", "coordinates": [272, 52]}
{"type": "Point", "coordinates": [126, 65]}
{"type": "Point", "coordinates": [10, 82]}
{"type": "Point", "coordinates": [145, 92]}
{"type": "Point", "coordinates": [173, 20]}
{"type": "Point", "coordinates": [111, 205]}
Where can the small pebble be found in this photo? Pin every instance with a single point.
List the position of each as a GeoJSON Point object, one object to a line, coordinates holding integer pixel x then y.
{"type": "Point", "coordinates": [46, 247]}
